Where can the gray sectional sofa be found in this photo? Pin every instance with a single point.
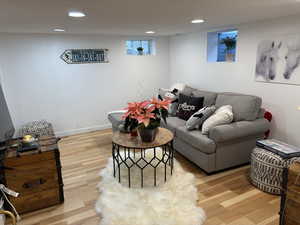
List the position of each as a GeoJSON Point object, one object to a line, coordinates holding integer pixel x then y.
{"type": "Point", "coordinates": [225, 146]}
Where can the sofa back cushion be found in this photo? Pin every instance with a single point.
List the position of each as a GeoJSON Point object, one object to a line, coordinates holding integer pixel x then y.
{"type": "Point", "coordinates": [245, 107]}
{"type": "Point", "coordinates": [209, 97]}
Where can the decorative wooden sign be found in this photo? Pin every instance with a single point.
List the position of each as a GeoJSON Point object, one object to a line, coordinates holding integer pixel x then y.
{"type": "Point", "coordinates": [79, 56]}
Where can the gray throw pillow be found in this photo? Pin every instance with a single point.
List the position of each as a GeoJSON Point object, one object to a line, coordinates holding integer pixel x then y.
{"type": "Point", "coordinates": [199, 117]}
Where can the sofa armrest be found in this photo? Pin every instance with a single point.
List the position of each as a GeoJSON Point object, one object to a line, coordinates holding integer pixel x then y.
{"type": "Point", "coordinates": [239, 129]}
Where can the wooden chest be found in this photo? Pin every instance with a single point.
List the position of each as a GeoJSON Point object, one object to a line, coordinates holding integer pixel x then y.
{"type": "Point", "coordinates": [291, 198]}
{"type": "Point", "coordinates": [36, 175]}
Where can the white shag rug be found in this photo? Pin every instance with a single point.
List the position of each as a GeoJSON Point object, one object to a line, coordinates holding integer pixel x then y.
{"type": "Point", "coordinates": [170, 203]}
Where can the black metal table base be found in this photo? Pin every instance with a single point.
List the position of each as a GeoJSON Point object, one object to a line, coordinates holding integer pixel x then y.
{"type": "Point", "coordinates": [136, 157]}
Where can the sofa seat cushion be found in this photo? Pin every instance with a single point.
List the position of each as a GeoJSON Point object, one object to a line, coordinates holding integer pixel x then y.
{"type": "Point", "coordinates": [245, 107]}
{"type": "Point", "coordinates": [196, 139]}
{"type": "Point", "coordinates": [238, 130]}
{"type": "Point", "coordinates": [173, 123]}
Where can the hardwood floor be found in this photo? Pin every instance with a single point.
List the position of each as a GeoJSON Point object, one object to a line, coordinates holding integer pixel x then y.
{"type": "Point", "coordinates": [227, 197]}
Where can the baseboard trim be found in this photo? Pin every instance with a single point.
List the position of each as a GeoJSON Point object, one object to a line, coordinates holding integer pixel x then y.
{"type": "Point", "coordinates": [82, 130]}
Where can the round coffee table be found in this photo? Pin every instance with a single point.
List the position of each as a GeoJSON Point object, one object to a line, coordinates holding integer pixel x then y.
{"type": "Point", "coordinates": [131, 151]}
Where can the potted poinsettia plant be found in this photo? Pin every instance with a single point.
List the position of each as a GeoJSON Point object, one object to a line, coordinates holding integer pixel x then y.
{"type": "Point", "coordinates": [145, 117]}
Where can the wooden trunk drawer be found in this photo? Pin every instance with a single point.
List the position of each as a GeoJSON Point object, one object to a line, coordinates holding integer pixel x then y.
{"type": "Point", "coordinates": [34, 201]}
{"type": "Point", "coordinates": [33, 177]}
{"type": "Point", "coordinates": [29, 159]}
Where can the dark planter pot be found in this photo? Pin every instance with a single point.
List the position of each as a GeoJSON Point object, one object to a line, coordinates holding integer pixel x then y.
{"type": "Point", "coordinates": [147, 135]}
{"type": "Point", "coordinates": [134, 133]}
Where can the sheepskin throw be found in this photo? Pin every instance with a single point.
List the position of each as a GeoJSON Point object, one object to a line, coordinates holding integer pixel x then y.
{"type": "Point", "coordinates": [170, 203]}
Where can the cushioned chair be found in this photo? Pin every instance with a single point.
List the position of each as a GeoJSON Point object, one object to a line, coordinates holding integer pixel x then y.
{"type": "Point", "coordinates": [115, 117]}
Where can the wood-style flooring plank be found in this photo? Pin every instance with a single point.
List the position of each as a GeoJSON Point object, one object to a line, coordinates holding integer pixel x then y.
{"type": "Point", "coordinates": [227, 197]}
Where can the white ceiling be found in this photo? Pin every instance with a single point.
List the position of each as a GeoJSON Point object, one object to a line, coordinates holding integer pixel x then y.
{"type": "Point", "coordinates": [134, 17]}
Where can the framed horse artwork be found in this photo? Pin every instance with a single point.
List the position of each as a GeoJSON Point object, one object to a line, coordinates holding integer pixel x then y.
{"type": "Point", "coordinates": [278, 60]}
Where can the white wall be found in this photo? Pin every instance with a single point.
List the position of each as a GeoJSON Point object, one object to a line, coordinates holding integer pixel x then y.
{"type": "Point", "coordinates": [188, 64]}
{"type": "Point", "coordinates": [75, 98]}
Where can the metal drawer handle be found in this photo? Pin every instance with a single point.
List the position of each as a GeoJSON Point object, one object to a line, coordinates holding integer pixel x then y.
{"type": "Point", "coordinates": [34, 183]}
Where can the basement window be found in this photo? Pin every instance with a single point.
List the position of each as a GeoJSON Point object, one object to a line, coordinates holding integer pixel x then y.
{"type": "Point", "coordinates": [140, 47]}
{"type": "Point", "coordinates": [221, 46]}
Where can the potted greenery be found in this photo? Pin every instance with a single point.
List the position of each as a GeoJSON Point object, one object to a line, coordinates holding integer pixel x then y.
{"type": "Point", "coordinates": [145, 117]}
{"type": "Point", "coordinates": [140, 50]}
{"type": "Point", "coordinates": [230, 43]}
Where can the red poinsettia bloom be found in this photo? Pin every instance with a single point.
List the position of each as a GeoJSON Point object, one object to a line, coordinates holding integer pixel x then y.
{"type": "Point", "coordinates": [146, 112]}
{"type": "Point", "coordinates": [145, 117]}
{"type": "Point", "coordinates": [160, 104]}
{"type": "Point", "coordinates": [135, 108]}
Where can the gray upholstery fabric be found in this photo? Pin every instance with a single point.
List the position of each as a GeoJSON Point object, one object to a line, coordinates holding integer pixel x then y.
{"type": "Point", "coordinates": [245, 107]}
{"type": "Point", "coordinates": [209, 97]}
{"type": "Point", "coordinates": [188, 90]}
{"type": "Point", "coordinates": [205, 161]}
{"type": "Point", "coordinates": [173, 123]}
{"type": "Point", "coordinates": [238, 130]}
{"type": "Point", "coordinates": [116, 120]}
{"type": "Point", "coordinates": [199, 117]}
{"type": "Point", "coordinates": [196, 139]}
{"type": "Point", "coordinates": [261, 113]}
{"type": "Point", "coordinates": [227, 155]}
{"type": "Point", "coordinates": [235, 152]}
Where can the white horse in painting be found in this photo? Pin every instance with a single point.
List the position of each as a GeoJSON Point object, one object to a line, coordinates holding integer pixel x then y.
{"type": "Point", "coordinates": [267, 58]}
{"type": "Point", "coordinates": [292, 58]}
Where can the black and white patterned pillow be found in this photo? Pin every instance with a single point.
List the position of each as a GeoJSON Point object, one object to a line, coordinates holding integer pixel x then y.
{"type": "Point", "coordinates": [188, 105]}
{"type": "Point", "coordinates": [197, 119]}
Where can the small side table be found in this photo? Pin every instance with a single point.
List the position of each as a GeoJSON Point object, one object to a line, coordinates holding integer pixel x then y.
{"type": "Point", "coordinates": [130, 152]}
{"type": "Point", "coordinates": [35, 174]}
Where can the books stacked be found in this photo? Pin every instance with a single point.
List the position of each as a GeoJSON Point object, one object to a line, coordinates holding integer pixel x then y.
{"type": "Point", "coordinates": [280, 148]}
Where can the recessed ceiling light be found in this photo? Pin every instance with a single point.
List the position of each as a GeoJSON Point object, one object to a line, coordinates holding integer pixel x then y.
{"type": "Point", "coordinates": [59, 30]}
{"type": "Point", "coordinates": [76, 14]}
{"type": "Point", "coordinates": [150, 32]}
{"type": "Point", "coordinates": [197, 21]}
